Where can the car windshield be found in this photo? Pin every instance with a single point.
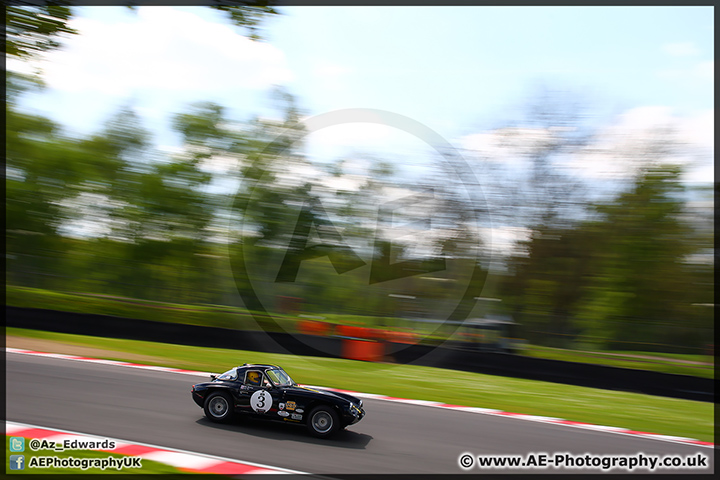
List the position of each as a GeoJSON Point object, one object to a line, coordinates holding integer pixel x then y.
{"type": "Point", "coordinates": [279, 377]}
{"type": "Point", "coordinates": [229, 375]}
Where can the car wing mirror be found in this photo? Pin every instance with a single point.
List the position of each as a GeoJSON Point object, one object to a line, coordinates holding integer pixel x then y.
{"type": "Point", "coordinates": [213, 376]}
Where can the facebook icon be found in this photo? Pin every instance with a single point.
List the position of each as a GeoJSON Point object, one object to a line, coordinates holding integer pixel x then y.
{"type": "Point", "coordinates": [17, 462]}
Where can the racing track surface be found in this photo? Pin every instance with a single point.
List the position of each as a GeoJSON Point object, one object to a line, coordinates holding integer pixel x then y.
{"type": "Point", "coordinates": [156, 408]}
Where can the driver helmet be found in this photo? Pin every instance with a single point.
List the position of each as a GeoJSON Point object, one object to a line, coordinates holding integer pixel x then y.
{"type": "Point", "coordinates": [254, 378]}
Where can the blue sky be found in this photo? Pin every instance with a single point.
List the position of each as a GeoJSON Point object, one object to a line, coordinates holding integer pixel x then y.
{"type": "Point", "coordinates": [458, 66]}
{"type": "Point", "coordinates": [454, 68]}
{"type": "Point", "coordinates": [461, 71]}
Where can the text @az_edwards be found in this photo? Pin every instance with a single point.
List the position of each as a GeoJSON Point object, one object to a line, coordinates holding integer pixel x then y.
{"type": "Point", "coordinates": [68, 444]}
{"type": "Point", "coordinates": [586, 461]}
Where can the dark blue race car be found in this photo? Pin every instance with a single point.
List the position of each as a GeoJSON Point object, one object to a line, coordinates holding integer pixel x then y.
{"type": "Point", "coordinates": [268, 392]}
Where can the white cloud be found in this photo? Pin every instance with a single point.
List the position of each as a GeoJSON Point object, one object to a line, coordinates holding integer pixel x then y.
{"type": "Point", "coordinates": [702, 174]}
{"type": "Point", "coordinates": [642, 118]}
{"type": "Point", "coordinates": [699, 129]}
{"type": "Point", "coordinates": [487, 145]}
{"type": "Point", "coordinates": [681, 49]}
{"type": "Point", "coordinates": [162, 49]}
{"type": "Point", "coordinates": [637, 136]}
{"type": "Point", "coordinates": [509, 145]}
{"type": "Point", "coordinates": [345, 139]}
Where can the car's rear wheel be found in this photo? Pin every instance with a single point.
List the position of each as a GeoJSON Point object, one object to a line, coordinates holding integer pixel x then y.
{"type": "Point", "coordinates": [219, 407]}
{"type": "Point", "coordinates": [323, 421]}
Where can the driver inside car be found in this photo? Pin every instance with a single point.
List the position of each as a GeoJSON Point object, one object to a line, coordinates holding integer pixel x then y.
{"type": "Point", "coordinates": [253, 378]}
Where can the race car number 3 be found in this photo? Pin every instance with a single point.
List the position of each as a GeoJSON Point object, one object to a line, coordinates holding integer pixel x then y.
{"type": "Point", "coordinates": [260, 401]}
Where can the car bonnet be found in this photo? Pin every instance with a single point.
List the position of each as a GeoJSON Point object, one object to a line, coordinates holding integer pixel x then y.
{"type": "Point", "coordinates": [343, 396]}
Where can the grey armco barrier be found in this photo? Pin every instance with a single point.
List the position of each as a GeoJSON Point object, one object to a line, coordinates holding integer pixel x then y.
{"type": "Point", "coordinates": [572, 373]}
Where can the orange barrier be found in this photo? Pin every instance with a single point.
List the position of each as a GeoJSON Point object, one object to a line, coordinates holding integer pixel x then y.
{"type": "Point", "coordinates": [314, 327]}
{"type": "Point", "coordinates": [358, 332]}
{"type": "Point", "coordinates": [367, 350]}
{"type": "Point", "coordinates": [310, 327]}
{"type": "Point", "coordinates": [376, 334]}
{"type": "Point", "coordinates": [399, 337]}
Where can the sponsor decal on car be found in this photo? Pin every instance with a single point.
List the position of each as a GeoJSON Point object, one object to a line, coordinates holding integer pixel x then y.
{"type": "Point", "coordinates": [290, 405]}
{"type": "Point", "coordinates": [283, 413]}
{"type": "Point", "coordinates": [296, 416]}
{"type": "Point", "coordinates": [299, 410]}
{"type": "Point", "coordinates": [281, 406]}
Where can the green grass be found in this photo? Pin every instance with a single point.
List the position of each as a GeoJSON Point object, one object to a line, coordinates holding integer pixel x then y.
{"type": "Point", "coordinates": [207, 315]}
{"type": "Point", "coordinates": [635, 411]}
{"type": "Point", "coordinates": [148, 466]}
{"type": "Point", "coordinates": [660, 362]}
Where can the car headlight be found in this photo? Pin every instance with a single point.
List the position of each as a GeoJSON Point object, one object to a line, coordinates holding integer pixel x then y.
{"type": "Point", "coordinates": [360, 403]}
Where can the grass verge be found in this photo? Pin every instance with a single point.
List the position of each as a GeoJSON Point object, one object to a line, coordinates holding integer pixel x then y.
{"type": "Point", "coordinates": [635, 411]}
{"type": "Point", "coordinates": [693, 365]}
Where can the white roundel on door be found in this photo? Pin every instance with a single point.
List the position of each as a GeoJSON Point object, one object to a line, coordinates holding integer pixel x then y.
{"type": "Point", "coordinates": [261, 401]}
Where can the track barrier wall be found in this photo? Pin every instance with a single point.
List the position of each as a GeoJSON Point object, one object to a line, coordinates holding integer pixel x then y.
{"type": "Point", "coordinates": [353, 347]}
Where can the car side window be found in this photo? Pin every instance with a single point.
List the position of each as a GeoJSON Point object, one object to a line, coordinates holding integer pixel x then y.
{"type": "Point", "coordinates": [229, 375]}
{"type": "Point", "coordinates": [253, 377]}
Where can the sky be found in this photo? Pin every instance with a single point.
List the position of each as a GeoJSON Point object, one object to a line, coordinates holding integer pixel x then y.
{"type": "Point", "coordinates": [461, 72]}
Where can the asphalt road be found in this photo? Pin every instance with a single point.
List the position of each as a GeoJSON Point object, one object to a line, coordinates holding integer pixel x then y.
{"type": "Point", "coordinates": [156, 408]}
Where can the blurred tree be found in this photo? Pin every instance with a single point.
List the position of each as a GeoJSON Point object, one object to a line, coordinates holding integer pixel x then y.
{"type": "Point", "coordinates": [273, 146]}
{"type": "Point", "coordinates": [43, 166]}
{"type": "Point", "coordinates": [547, 282]}
{"type": "Point", "coordinates": [34, 27]}
{"type": "Point", "coordinates": [131, 209]}
{"type": "Point", "coordinates": [248, 14]}
{"type": "Point", "coordinates": [620, 280]}
{"type": "Point", "coordinates": [640, 287]}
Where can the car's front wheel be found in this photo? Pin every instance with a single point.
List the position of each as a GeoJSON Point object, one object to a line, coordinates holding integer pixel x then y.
{"type": "Point", "coordinates": [323, 421]}
{"type": "Point", "coordinates": [218, 407]}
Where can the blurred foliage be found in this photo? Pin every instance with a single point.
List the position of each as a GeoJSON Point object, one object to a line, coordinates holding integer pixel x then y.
{"type": "Point", "coordinates": [107, 214]}
{"type": "Point", "coordinates": [622, 280]}
{"type": "Point", "coordinates": [248, 14]}
{"type": "Point", "coordinates": [32, 28]}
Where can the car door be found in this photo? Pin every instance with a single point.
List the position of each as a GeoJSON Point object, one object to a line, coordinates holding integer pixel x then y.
{"type": "Point", "coordinates": [258, 398]}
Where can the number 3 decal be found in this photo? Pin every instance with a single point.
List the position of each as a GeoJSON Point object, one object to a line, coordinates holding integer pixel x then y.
{"type": "Point", "coordinates": [258, 401]}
